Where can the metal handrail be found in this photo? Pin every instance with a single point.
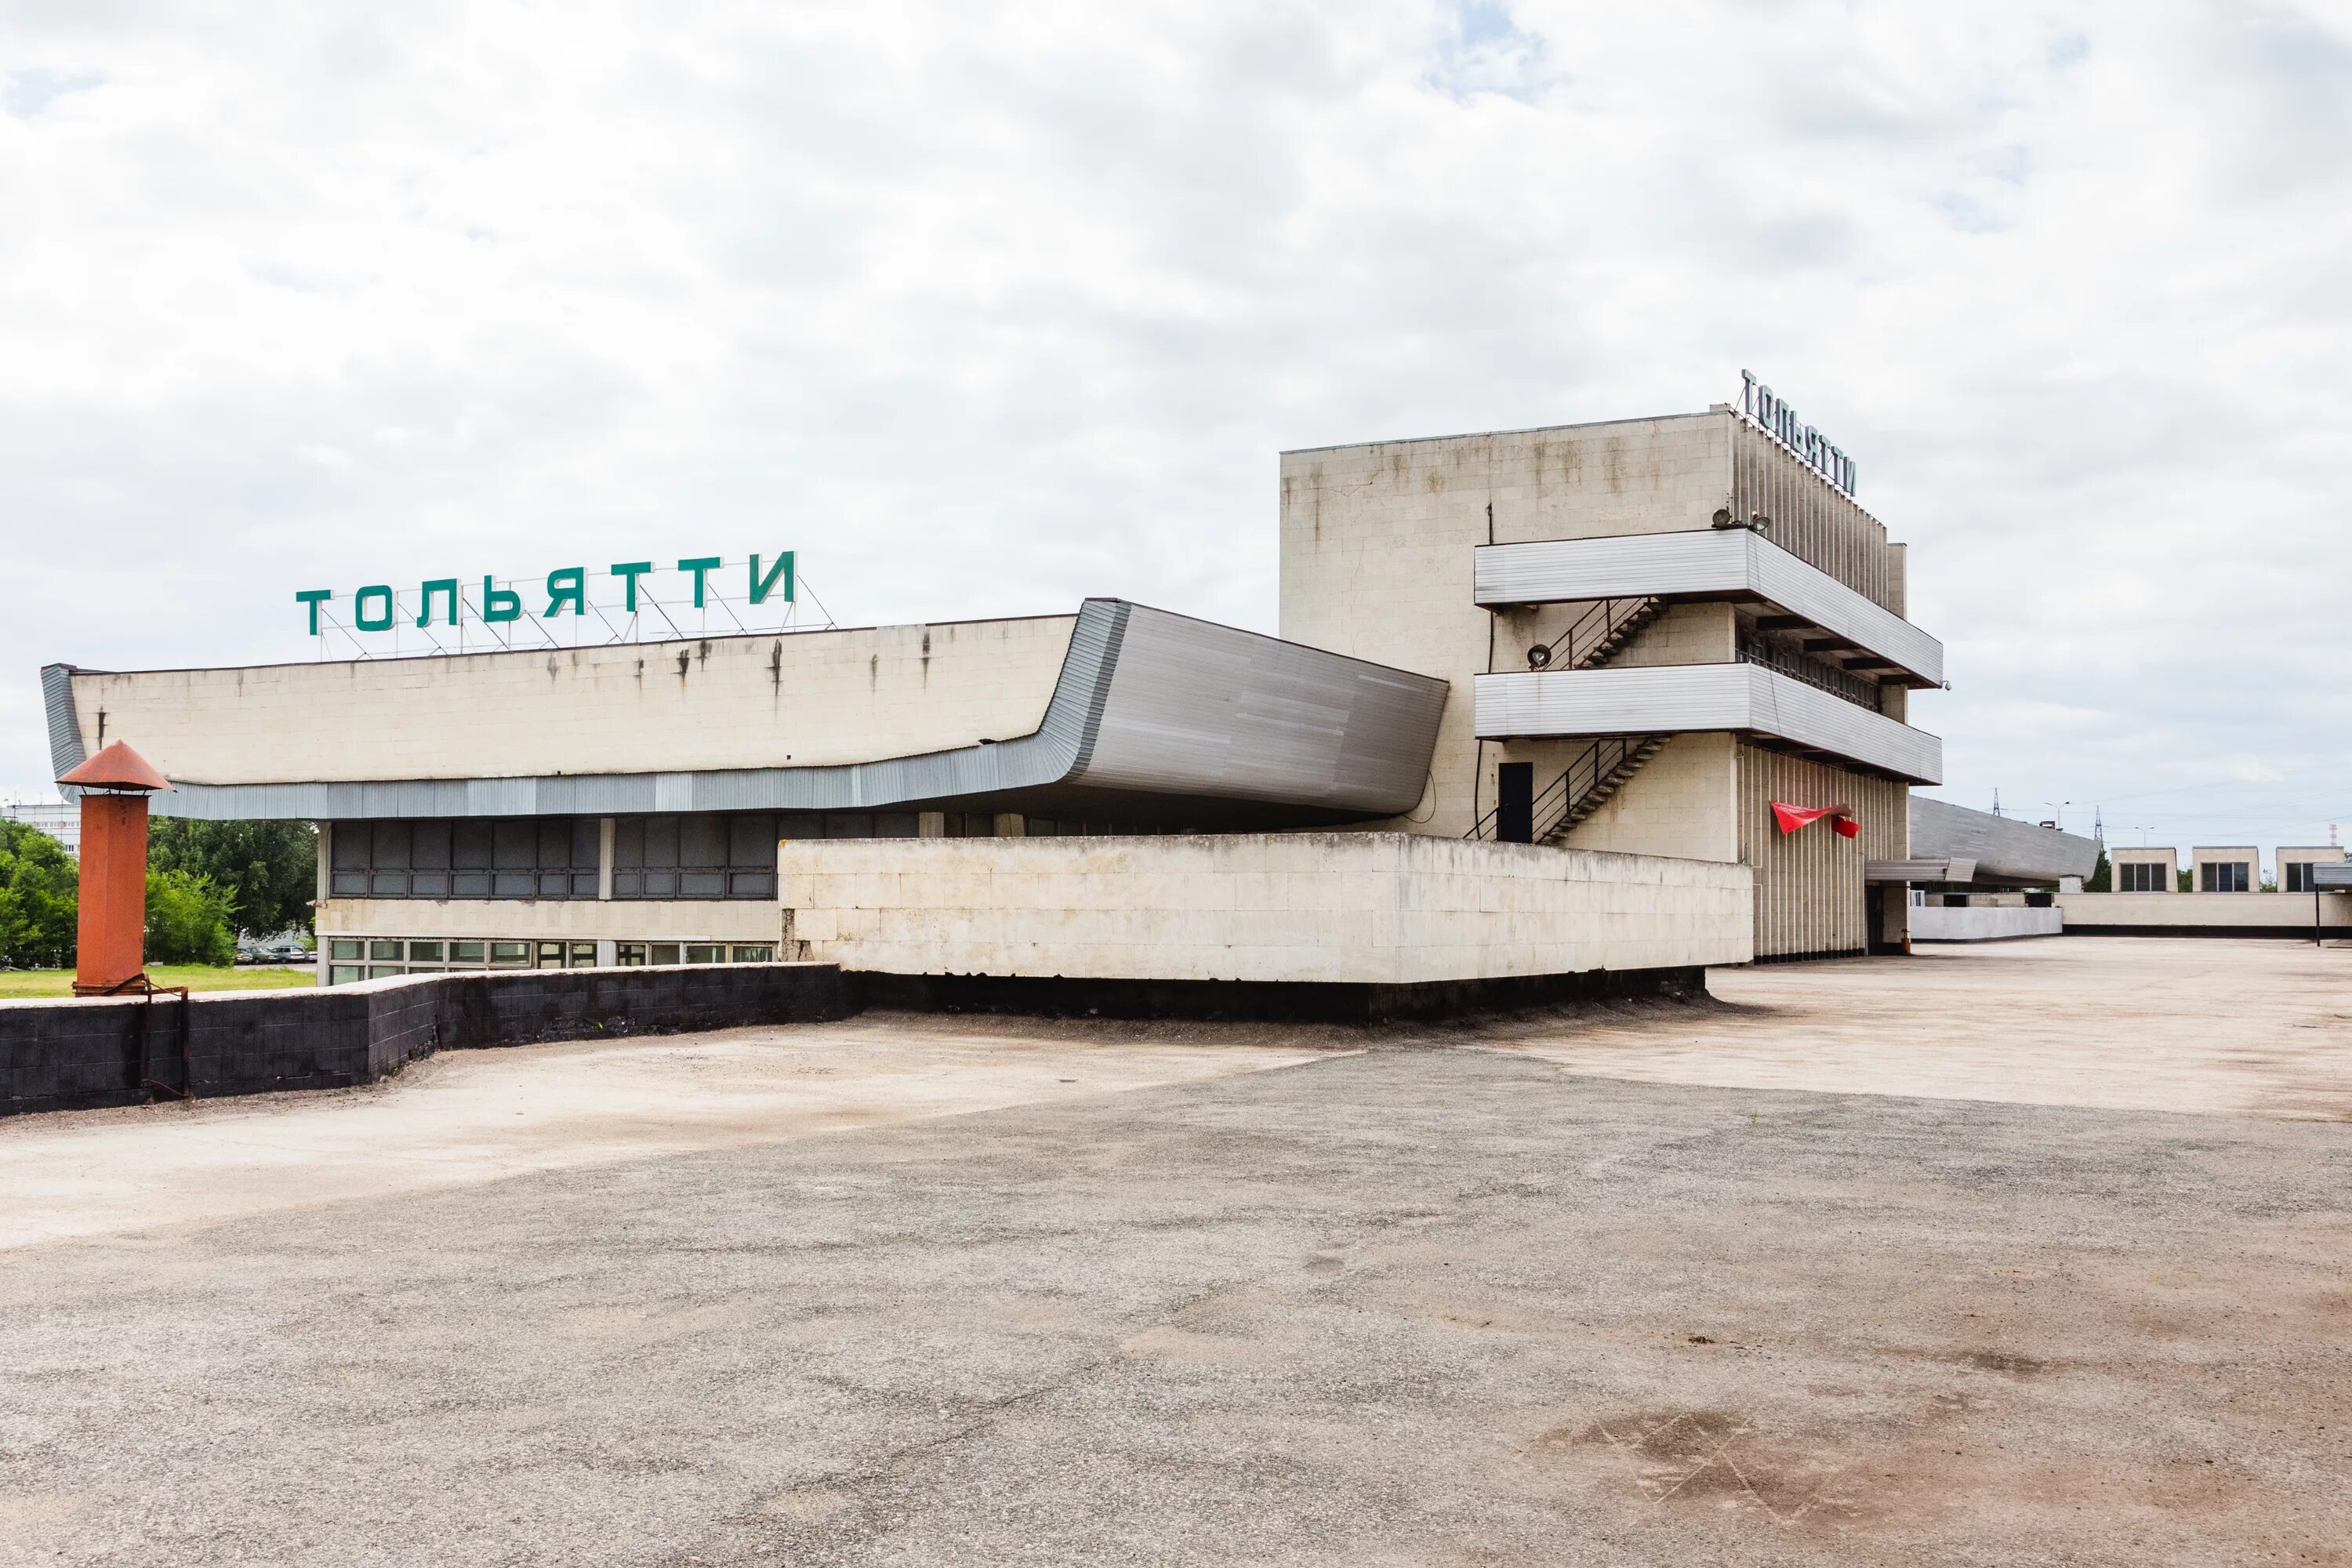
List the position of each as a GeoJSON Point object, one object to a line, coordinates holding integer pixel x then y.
{"type": "Point", "coordinates": [1587, 632]}
{"type": "Point", "coordinates": [1855, 688]}
{"type": "Point", "coordinates": [1552, 806]}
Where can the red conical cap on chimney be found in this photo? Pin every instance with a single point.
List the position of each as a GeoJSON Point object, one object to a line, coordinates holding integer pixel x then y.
{"type": "Point", "coordinates": [117, 767]}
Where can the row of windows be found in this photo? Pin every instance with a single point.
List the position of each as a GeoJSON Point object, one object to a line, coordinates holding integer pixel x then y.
{"type": "Point", "coordinates": [2212, 877]}
{"type": "Point", "coordinates": [701, 855]}
{"type": "Point", "coordinates": [377, 958]}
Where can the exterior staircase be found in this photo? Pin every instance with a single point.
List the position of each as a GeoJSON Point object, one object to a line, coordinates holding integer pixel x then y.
{"type": "Point", "coordinates": [1603, 769]}
{"type": "Point", "coordinates": [1600, 770]}
{"type": "Point", "coordinates": [1622, 620]}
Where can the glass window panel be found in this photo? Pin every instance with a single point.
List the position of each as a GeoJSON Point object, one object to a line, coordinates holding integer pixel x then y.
{"type": "Point", "coordinates": [429, 884]}
{"type": "Point", "coordinates": [342, 947]}
{"type": "Point", "coordinates": [466, 952]}
{"type": "Point", "coordinates": [849, 825]}
{"type": "Point", "coordinates": [702, 884]}
{"type": "Point", "coordinates": [351, 844]}
{"type": "Point", "coordinates": [557, 885]}
{"type": "Point", "coordinates": [583, 884]}
{"type": "Point", "coordinates": [751, 840]}
{"type": "Point", "coordinates": [424, 951]}
{"type": "Point", "coordinates": [702, 841]}
{"type": "Point", "coordinates": [665, 953]}
{"type": "Point", "coordinates": [429, 849]}
{"type": "Point", "coordinates": [628, 842]}
{"type": "Point", "coordinates": [661, 884]}
{"type": "Point", "coordinates": [704, 952]}
{"type": "Point", "coordinates": [392, 842]}
{"type": "Point", "coordinates": [584, 954]}
{"type": "Point", "coordinates": [384, 970]}
{"type": "Point", "coordinates": [555, 842]}
{"type": "Point", "coordinates": [630, 955]}
{"type": "Point", "coordinates": [510, 952]}
{"type": "Point", "coordinates": [470, 885]}
{"type": "Point", "coordinates": [586, 833]}
{"type": "Point", "coordinates": [514, 844]}
{"type": "Point", "coordinates": [388, 884]}
{"type": "Point", "coordinates": [550, 955]}
{"type": "Point", "coordinates": [342, 974]}
{"type": "Point", "coordinates": [756, 954]}
{"type": "Point", "coordinates": [513, 884]}
{"type": "Point", "coordinates": [750, 884]}
{"type": "Point", "coordinates": [661, 842]}
{"type": "Point", "coordinates": [628, 884]}
{"type": "Point", "coordinates": [469, 845]}
{"type": "Point", "coordinates": [349, 885]}
{"type": "Point", "coordinates": [384, 949]}
{"type": "Point", "coordinates": [896, 824]}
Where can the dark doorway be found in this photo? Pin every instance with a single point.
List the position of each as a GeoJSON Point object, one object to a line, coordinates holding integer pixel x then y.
{"type": "Point", "coordinates": [1514, 803]}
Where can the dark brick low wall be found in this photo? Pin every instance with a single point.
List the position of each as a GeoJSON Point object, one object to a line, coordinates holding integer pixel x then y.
{"type": "Point", "coordinates": [62, 1054]}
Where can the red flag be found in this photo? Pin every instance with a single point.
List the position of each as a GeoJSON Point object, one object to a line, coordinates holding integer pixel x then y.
{"type": "Point", "coordinates": [1792, 818]}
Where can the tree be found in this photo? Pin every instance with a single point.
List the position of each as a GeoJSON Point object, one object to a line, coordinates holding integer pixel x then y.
{"type": "Point", "coordinates": [39, 888]}
{"type": "Point", "coordinates": [188, 920]}
{"type": "Point", "coordinates": [2101, 877]}
{"type": "Point", "coordinates": [269, 870]}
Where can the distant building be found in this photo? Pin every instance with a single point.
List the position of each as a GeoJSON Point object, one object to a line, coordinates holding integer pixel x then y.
{"type": "Point", "coordinates": [2236, 868]}
{"type": "Point", "coordinates": [61, 820]}
{"type": "Point", "coordinates": [2144, 870]}
{"type": "Point", "coordinates": [1979, 878]}
{"type": "Point", "coordinates": [2295, 864]}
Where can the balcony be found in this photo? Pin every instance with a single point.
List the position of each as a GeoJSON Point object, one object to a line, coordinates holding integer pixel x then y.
{"type": "Point", "coordinates": [1742, 698]}
{"type": "Point", "coordinates": [1865, 638]}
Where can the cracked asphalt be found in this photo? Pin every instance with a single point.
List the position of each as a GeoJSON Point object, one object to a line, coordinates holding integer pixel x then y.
{"type": "Point", "coordinates": [1410, 1305]}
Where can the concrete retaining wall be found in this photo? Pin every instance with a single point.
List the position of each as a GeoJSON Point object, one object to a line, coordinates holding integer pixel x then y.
{"type": "Point", "coordinates": [1982, 922]}
{"type": "Point", "coordinates": [2284, 915]}
{"type": "Point", "coordinates": [1337, 909]}
{"type": "Point", "coordinates": [68, 1052]}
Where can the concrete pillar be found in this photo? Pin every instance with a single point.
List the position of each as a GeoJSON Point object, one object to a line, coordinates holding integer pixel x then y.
{"type": "Point", "coordinates": [931, 824]}
{"type": "Point", "coordinates": [604, 870]}
{"type": "Point", "coordinates": [608, 950]}
{"type": "Point", "coordinates": [326, 891]}
{"type": "Point", "coordinates": [1012, 824]}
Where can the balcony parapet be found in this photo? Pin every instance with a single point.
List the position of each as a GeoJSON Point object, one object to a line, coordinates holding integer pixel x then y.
{"type": "Point", "coordinates": [1710, 564]}
{"type": "Point", "coordinates": [1674, 698]}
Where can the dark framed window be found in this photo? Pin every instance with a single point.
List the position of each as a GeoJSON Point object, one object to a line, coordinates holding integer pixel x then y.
{"type": "Point", "coordinates": [466, 857]}
{"type": "Point", "coordinates": [703, 855]}
{"type": "Point", "coordinates": [2223, 876]}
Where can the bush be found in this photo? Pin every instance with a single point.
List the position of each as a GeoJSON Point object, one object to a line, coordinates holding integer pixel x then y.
{"type": "Point", "coordinates": [39, 884]}
{"type": "Point", "coordinates": [269, 870]}
{"type": "Point", "coordinates": [188, 920]}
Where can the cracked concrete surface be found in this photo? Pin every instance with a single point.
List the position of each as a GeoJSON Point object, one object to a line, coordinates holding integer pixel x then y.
{"type": "Point", "coordinates": [1409, 1304]}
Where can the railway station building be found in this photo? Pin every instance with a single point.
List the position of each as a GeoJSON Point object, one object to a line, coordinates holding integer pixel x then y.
{"type": "Point", "coordinates": [1619, 698]}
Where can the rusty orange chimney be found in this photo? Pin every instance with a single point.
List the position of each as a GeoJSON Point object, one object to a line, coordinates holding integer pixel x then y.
{"type": "Point", "coordinates": [111, 932]}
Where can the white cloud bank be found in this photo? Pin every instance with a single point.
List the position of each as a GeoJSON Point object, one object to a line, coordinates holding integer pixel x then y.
{"type": "Point", "coordinates": [985, 310]}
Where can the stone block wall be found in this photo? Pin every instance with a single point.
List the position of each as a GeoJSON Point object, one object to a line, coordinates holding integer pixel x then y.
{"type": "Point", "coordinates": [1360, 909]}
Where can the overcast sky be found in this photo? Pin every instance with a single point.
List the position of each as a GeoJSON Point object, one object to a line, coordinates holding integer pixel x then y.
{"type": "Point", "coordinates": [984, 312]}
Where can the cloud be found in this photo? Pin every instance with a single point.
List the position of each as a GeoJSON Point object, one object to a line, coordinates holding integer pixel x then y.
{"type": "Point", "coordinates": [985, 310]}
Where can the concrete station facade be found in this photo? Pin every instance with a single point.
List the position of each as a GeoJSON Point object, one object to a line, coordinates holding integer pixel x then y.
{"type": "Point", "coordinates": [1533, 698]}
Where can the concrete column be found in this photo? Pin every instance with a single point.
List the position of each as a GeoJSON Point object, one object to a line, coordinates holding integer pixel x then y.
{"type": "Point", "coordinates": [326, 887]}
{"type": "Point", "coordinates": [1012, 824]}
{"type": "Point", "coordinates": [608, 950]}
{"type": "Point", "coordinates": [931, 824]}
{"type": "Point", "coordinates": [604, 871]}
